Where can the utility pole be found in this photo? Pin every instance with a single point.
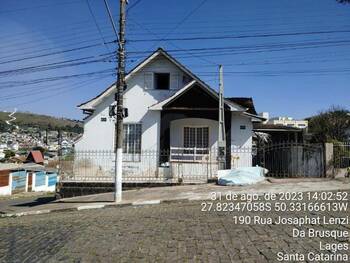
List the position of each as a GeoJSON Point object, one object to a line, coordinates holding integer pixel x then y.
{"type": "Point", "coordinates": [59, 142]}
{"type": "Point", "coordinates": [119, 101]}
{"type": "Point", "coordinates": [222, 134]}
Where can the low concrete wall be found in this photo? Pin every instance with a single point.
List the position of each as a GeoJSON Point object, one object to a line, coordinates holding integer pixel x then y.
{"type": "Point", "coordinates": [328, 155]}
{"type": "Point", "coordinates": [71, 189]}
{"type": "Point", "coordinates": [5, 190]}
{"type": "Point", "coordinates": [340, 173]}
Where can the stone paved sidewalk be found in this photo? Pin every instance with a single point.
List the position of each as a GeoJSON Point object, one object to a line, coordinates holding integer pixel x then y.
{"type": "Point", "coordinates": [171, 193]}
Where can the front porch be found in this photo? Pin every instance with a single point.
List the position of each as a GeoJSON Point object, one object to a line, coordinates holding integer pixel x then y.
{"type": "Point", "coordinates": [189, 126]}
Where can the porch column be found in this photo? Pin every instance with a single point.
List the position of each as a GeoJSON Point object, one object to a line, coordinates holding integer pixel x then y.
{"type": "Point", "coordinates": [228, 116]}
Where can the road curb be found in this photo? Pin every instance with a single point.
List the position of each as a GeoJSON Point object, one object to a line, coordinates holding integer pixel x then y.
{"type": "Point", "coordinates": [92, 206]}
{"type": "Point", "coordinates": [136, 204]}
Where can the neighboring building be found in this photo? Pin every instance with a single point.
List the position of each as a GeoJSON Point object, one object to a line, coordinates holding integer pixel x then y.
{"type": "Point", "coordinates": [289, 122]}
{"type": "Point", "coordinates": [170, 109]}
{"type": "Point", "coordinates": [35, 157]}
{"type": "Point", "coordinates": [280, 129]}
{"type": "Point", "coordinates": [17, 159]}
{"type": "Point", "coordinates": [29, 177]}
{"type": "Point", "coordinates": [279, 133]}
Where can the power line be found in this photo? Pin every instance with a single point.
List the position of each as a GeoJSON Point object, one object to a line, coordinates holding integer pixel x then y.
{"type": "Point", "coordinates": [39, 51]}
{"type": "Point", "coordinates": [191, 54]}
{"type": "Point", "coordinates": [38, 6]}
{"type": "Point", "coordinates": [54, 53]}
{"type": "Point", "coordinates": [132, 6]}
{"type": "Point", "coordinates": [97, 26]}
{"type": "Point", "coordinates": [183, 20]}
{"type": "Point", "coordinates": [111, 20]}
{"type": "Point", "coordinates": [82, 84]}
{"type": "Point", "coordinates": [242, 36]}
{"type": "Point", "coordinates": [281, 72]}
{"type": "Point", "coordinates": [57, 65]}
{"type": "Point", "coordinates": [45, 89]}
{"type": "Point", "coordinates": [11, 84]}
{"type": "Point", "coordinates": [253, 47]}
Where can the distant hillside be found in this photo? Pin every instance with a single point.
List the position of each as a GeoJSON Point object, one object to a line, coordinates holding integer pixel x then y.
{"type": "Point", "coordinates": [43, 122]}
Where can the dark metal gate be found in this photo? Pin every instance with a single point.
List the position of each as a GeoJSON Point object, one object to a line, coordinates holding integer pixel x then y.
{"type": "Point", "coordinates": [341, 155]}
{"type": "Point", "coordinates": [292, 159]}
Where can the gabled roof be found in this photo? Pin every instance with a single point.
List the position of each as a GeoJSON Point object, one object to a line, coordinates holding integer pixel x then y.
{"type": "Point", "coordinates": [35, 156]}
{"type": "Point", "coordinates": [159, 106]}
{"type": "Point", "coordinates": [90, 104]}
{"type": "Point", "coordinates": [275, 127]}
{"type": "Point", "coordinates": [245, 102]}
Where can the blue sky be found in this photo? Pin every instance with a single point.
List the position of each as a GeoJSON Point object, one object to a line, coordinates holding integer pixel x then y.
{"type": "Point", "coordinates": [303, 70]}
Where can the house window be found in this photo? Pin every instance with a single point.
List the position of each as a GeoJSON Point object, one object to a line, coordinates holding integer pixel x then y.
{"type": "Point", "coordinates": [103, 119]}
{"type": "Point", "coordinates": [161, 81]}
{"type": "Point", "coordinates": [196, 137]}
{"type": "Point", "coordinates": [132, 138]}
{"type": "Point", "coordinates": [242, 127]}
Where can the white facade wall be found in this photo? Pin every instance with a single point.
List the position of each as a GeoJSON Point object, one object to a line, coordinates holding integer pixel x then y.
{"type": "Point", "coordinates": [98, 135]}
{"type": "Point", "coordinates": [241, 141]}
{"type": "Point", "coordinates": [7, 190]}
{"type": "Point", "coordinates": [139, 96]}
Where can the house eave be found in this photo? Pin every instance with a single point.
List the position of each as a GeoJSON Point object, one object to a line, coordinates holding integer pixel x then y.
{"type": "Point", "coordinates": [160, 105]}
{"type": "Point", "coordinates": [255, 118]}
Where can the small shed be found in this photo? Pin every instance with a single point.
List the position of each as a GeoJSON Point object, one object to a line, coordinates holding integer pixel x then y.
{"type": "Point", "coordinates": [13, 179]}
{"type": "Point", "coordinates": [5, 179]}
{"type": "Point", "coordinates": [18, 178]}
{"type": "Point", "coordinates": [35, 157]}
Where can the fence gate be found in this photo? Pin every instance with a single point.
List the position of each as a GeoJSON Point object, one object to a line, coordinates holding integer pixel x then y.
{"type": "Point", "coordinates": [341, 155]}
{"type": "Point", "coordinates": [292, 159]}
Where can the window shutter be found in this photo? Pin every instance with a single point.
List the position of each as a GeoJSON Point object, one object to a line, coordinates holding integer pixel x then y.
{"type": "Point", "coordinates": [148, 80]}
{"type": "Point", "coordinates": [174, 81]}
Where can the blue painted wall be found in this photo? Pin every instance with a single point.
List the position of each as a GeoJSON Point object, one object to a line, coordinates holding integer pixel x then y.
{"type": "Point", "coordinates": [19, 180]}
{"type": "Point", "coordinates": [52, 179]}
{"type": "Point", "coordinates": [40, 178]}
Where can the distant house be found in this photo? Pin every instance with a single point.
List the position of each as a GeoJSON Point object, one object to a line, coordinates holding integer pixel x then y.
{"type": "Point", "coordinates": [19, 178]}
{"type": "Point", "coordinates": [17, 159]}
{"type": "Point", "coordinates": [35, 157]}
{"type": "Point", "coordinates": [289, 122]}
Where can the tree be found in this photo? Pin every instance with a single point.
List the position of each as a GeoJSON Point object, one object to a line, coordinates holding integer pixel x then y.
{"type": "Point", "coordinates": [330, 125]}
{"type": "Point", "coordinates": [9, 154]}
{"type": "Point", "coordinates": [39, 148]}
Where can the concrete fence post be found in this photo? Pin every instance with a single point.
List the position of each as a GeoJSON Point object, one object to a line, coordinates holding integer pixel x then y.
{"type": "Point", "coordinates": [329, 160]}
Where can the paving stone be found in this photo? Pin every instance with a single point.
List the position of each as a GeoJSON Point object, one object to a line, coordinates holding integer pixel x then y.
{"type": "Point", "coordinates": [169, 232]}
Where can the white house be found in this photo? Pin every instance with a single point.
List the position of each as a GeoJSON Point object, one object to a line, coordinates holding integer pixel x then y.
{"type": "Point", "coordinates": [170, 110]}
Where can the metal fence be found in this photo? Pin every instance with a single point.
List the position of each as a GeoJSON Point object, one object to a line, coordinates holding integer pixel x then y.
{"type": "Point", "coordinates": [292, 159]}
{"type": "Point", "coordinates": [188, 165]}
{"type": "Point", "coordinates": [341, 155]}
{"type": "Point", "coordinates": [197, 165]}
